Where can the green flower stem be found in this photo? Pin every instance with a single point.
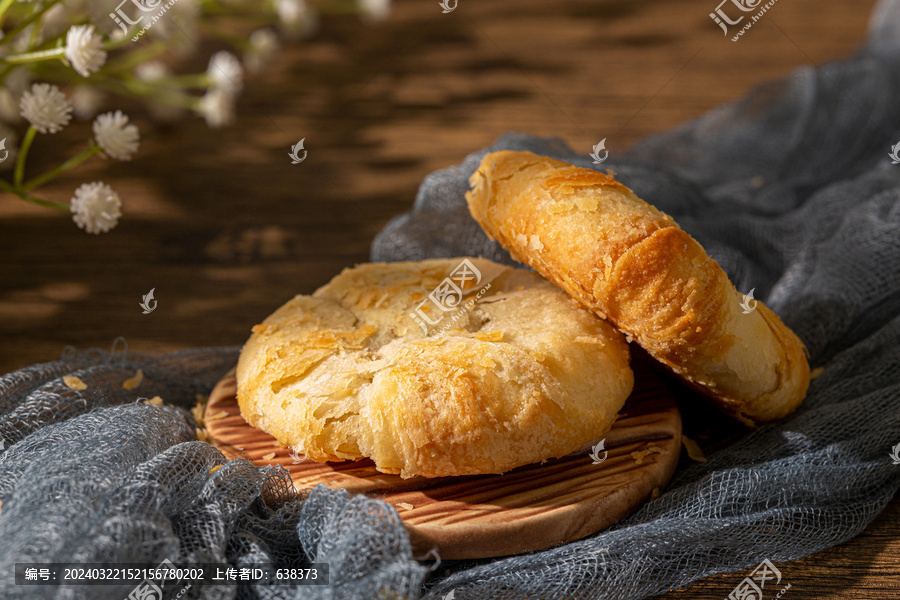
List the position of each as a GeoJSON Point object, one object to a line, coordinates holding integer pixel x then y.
{"type": "Point", "coordinates": [66, 166]}
{"type": "Point", "coordinates": [136, 88]}
{"type": "Point", "coordinates": [37, 14]}
{"type": "Point", "coordinates": [30, 57]}
{"type": "Point", "coordinates": [4, 6]}
{"type": "Point", "coordinates": [25, 196]}
{"type": "Point", "coordinates": [134, 58]}
{"type": "Point", "coordinates": [193, 80]}
{"type": "Point", "coordinates": [19, 172]}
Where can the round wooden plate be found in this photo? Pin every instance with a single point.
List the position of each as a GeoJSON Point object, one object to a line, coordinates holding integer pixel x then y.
{"type": "Point", "coordinates": [530, 508]}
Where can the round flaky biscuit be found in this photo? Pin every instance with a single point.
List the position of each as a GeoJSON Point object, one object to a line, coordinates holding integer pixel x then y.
{"type": "Point", "coordinates": [434, 368]}
{"type": "Point", "coordinates": [630, 263]}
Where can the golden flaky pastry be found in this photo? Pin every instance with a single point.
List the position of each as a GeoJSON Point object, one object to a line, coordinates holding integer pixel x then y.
{"type": "Point", "coordinates": [630, 263]}
{"type": "Point", "coordinates": [434, 368]}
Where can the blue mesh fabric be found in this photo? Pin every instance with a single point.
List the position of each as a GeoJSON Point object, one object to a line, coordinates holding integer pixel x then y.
{"type": "Point", "coordinates": [790, 189]}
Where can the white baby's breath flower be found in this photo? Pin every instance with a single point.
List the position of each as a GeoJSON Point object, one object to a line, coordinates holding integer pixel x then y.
{"type": "Point", "coordinates": [87, 100]}
{"type": "Point", "coordinates": [95, 207]}
{"type": "Point", "coordinates": [225, 72]}
{"type": "Point", "coordinates": [294, 18]}
{"type": "Point", "coordinates": [46, 108]}
{"type": "Point", "coordinates": [84, 49]}
{"type": "Point", "coordinates": [151, 71]}
{"type": "Point", "coordinates": [263, 45]}
{"type": "Point", "coordinates": [217, 107]}
{"type": "Point", "coordinates": [117, 138]}
{"type": "Point", "coordinates": [375, 10]}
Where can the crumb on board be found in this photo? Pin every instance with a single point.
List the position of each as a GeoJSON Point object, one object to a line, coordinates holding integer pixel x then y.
{"type": "Point", "coordinates": [133, 382]}
{"type": "Point", "coordinates": [816, 372]}
{"type": "Point", "coordinates": [693, 449]}
{"type": "Point", "coordinates": [155, 401]}
{"type": "Point", "coordinates": [219, 415]}
{"type": "Point", "coordinates": [199, 408]}
{"type": "Point", "coordinates": [639, 455]}
{"type": "Point", "coordinates": [268, 456]}
{"type": "Point", "coordinates": [74, 383]}
{"type": "Point", "coordinates": [405, 505]}
{"type": "Point", "coordinates": [215, 468]}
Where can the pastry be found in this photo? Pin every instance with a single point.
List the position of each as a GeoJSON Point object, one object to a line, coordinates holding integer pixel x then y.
{"type": "Point", "coordinates": [436, 368]}
{"type": "Point", "coordinates": [631, 264]}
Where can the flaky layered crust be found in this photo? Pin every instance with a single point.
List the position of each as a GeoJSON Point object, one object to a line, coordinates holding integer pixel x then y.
{"type": "Point", "coordinates": [630, 263]}
{"type": "Point", "coordinates": [518, 374]}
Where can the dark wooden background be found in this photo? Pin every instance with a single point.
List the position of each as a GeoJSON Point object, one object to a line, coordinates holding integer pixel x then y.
{"type": "Point", "coordinates": [226, 228]}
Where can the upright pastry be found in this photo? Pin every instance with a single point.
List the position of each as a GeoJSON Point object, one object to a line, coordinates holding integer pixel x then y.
{"type": "Point", "coordinates": [631, 264]}
{"type": "Point", "coordinates": [442, 367]}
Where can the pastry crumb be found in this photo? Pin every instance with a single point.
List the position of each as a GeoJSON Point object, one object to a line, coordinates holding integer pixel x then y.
{"type": "Point", "coordinates": [654, 494]}
{"type": "Point", "coordinates": [405, 505]}
{"type": "Point", "coordinates": [218, 415]}
{"type": "Point", "coordinates": [215, 468]}
{"type": "Point", "coordinates": [133, 382]}
{"type": "Point", "coordinates": [74, 383]}
{"type": "Point", "coordinates": [154, 401]}
{"type": "Point", "coordinates": [587, 339]}
{"type": "Point", "coordinates": [693, 449]}
{"type": "Point", "coordinates": [816, 372]}
{"type": "Point", "coordinates": [198, 409]}
{"type": "Point", "coordinates": [268, 456]}
{"type": "Point", "coordinates": [489, 336]}
{"type": "Point", "coordinates": [202, 435]}
{"type": "Point", "coordinates": [638, 455]}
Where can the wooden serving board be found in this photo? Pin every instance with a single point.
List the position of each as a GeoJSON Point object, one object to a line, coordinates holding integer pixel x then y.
{"type": "Point", "coordinates": [530, 508]}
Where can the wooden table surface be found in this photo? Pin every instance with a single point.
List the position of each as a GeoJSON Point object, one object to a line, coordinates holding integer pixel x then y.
{"type": "Point", "coordinates": [225, 228]}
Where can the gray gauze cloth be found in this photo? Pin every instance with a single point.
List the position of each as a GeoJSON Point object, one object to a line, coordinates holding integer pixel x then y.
{"type": "Point", "coordinates": [791, 190]}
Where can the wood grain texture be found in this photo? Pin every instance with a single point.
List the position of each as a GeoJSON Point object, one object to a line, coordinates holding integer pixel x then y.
{"type": "Point", "coordinates": [530, 508]}
{"type": "Point", "coordinates": [227, 229]}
